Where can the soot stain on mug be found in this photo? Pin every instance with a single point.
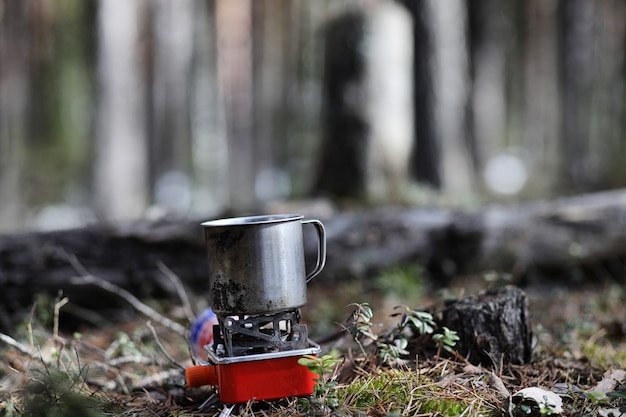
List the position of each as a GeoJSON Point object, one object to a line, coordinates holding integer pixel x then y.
{"type": "Point", "coordinates": [227, 239]}
{"type": "Point", "coordinates": [229, 297]}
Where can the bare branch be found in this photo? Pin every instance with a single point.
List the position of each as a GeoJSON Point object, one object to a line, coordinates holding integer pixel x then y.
{"type": "Point", "coordinates": [86, 278]}
{"type": "Point", "coordinates": [160, 345]}
{"type": "Point", "coordinates": [17, 345]}
{"type": "Point", "coordinates": [131, 299]}
{"type": "Point", "coordinates": [180, 290]}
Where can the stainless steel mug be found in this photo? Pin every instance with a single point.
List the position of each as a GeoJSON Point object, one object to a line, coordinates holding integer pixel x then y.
{"type": "Point", "coordinates": [256, 264]}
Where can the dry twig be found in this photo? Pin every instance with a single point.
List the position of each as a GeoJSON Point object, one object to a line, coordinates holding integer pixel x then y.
{"type": "Point", "coordinates": [132, 300]}
{"type": "Point", "coordinates": [180, 290]}
{"type": "Point", "coordinates": [86, 278]}
{"type": "Point", "coordinates": [15, 344]}
{"type": "Point", "coordinates": [162, 348]}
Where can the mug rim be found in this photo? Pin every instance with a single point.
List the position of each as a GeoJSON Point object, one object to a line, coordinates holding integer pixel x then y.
{"type": "Point", "coordinates": [252, 220]}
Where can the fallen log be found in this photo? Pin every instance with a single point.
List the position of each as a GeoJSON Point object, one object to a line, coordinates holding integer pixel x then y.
{"type": "Point", "coordinates": [125, 255]}
{"type": "Point", "coordinates": [566, 238]}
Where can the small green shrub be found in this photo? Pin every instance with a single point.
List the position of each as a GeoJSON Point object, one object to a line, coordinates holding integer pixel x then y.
{"type": "Point", "coordinates": [324, 394]}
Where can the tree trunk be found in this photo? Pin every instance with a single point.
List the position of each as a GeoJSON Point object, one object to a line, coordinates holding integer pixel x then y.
{"type": "Point", "coordinates": [426, 155]}
{"type": "Point", "coordinates": [172, 30]}
{"type": "Point", "coordinates": [14, 57]}
{"type": "Point", "coordinates": [235, 67]}
{"type": "Point", "coordinates": [493, 327]}
{"type": "Point", "coordinates": [121, 165]}
{"type": "Point", "coordinates": [368, 107]}
{"type": "Point", "coordinates": [207, 118]}
{"type": "Point", "coordinates": [575, 20]}
{"type": "Point", "coordinates": [342, 169]}
{"type": "Point", "coordinates": [451, 76]}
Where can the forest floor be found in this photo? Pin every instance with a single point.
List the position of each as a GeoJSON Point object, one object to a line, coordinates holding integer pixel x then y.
{"type": "Point", "coordinates": [132, 367]}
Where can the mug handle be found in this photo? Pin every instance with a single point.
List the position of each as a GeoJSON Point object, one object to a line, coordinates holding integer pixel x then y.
{"type": "Point", "coordinates": [321, 248]}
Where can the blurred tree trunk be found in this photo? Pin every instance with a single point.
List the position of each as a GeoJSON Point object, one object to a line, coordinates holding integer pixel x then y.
{"type": "Point", "coordinates": [591, 73]}
{"type": "Point", "coordinates": [272, 83]}
{"type": "Point", "coordinates": [121, 165]}
{"type": "Point", "coordinates": [171, 37]}
{"type": "Point", "coordinates": [451, 70]}
{"type": "Point", "coordinates": [542, 106]}
{"type": "Point", "coordinates": [208, 126]}
{"type": "Point", "coordinates": [426, 155]}
{"type": "Point", "coordinates": [60, 107]}
{"type": "Point", "coordinates": [487, 111]}
{"type": "Point", "coordinates": [368, 129]}
{"type": "Point", "coordinates": [14, 88]}
{"type": "Point", "coordinates": [235, 60]}
{"type": "Point", "coordinates": [389, 101]}
{"type": "Point", "coordinates": [609, 122]}
{"type": "Point", "coordinates": [342, 170]}
{"type": "Point", "coordinates": [605, 164]}
{"type": "Point", "coordinates": [576, 63]}
{"type": "Point", "coordinates": [303, 91]}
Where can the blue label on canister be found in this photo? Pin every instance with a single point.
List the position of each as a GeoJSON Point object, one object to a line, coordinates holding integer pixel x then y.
{"type": "Point", "coordinates": [202, 332]}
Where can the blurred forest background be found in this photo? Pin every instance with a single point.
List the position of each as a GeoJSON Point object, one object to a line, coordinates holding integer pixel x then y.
{"type": "Point", "coordinates": [115, 109]}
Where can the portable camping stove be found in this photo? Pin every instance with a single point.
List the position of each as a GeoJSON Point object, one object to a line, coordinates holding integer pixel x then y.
{"type": "Point", "coordinates": [256, 358]}
{"type": "Point", "coordinates": [258, 338]}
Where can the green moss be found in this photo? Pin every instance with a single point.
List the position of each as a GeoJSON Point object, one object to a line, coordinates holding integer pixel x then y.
{"type": "Point", "coordinates": [605, 354]}
{"type": "Point", "coordinates": [443, 407]}
{"type": "Point", "coordinates": [399, 392]}
{"type": "Point", "coordinates": [390, 389]}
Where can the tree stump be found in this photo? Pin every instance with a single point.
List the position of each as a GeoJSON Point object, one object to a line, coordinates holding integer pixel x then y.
{"type": "Point", "coordinates": [493, 326]}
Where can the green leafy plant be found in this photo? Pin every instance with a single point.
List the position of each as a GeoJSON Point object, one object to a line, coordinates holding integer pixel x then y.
{"type": "Point", "coordinates": [420, 321]}
{"type": "Point", "coordinates": [597, 397]}
{"type": "Point", "coordinates": [446, 340]}
{"type": "Point", "coordinates": [324, 394]}
{"type": "Point", "coordinates": [360, 325]}
{"type": "Point", "coordinates": [391, 352]}
{"type": "Point", "coordinates": [413, 322]}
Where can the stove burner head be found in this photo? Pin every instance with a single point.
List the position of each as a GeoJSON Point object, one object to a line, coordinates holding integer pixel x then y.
{"type": "Point", "coordinates": [266, 333]}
